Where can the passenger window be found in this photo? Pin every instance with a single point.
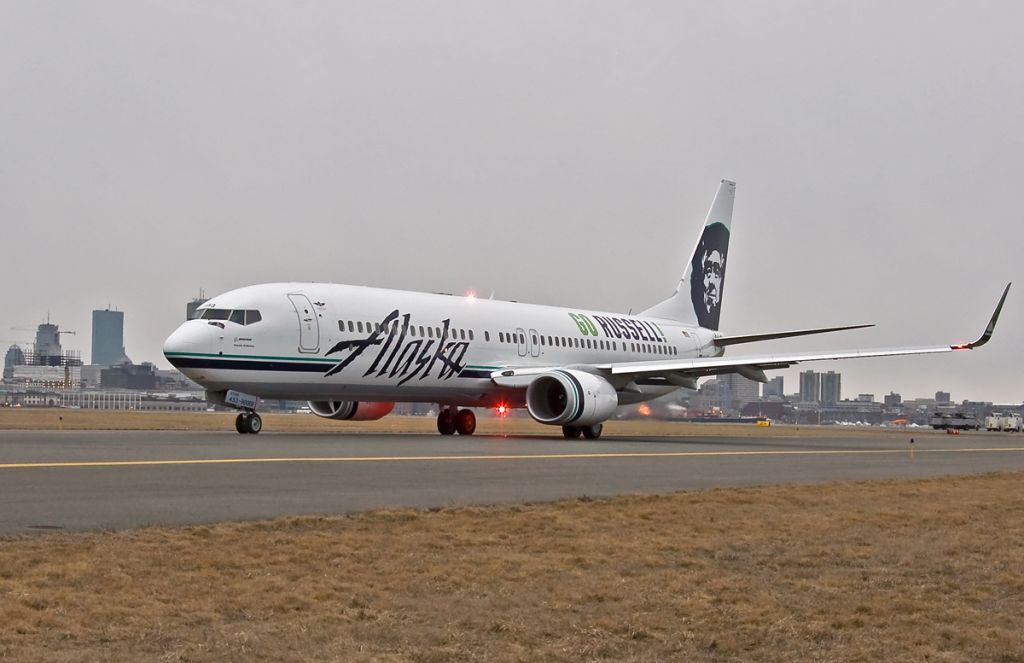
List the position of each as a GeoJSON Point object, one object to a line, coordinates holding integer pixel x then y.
{"type": "Point", "coordinates": [359, 326]}
{"type": "Point", "coordinates": [487, 336]}
{"type": "Point", "coordinates": [522, 339]}
{"type": "Point", "coordinates": [412, 330]}
{"type": "Point", "coordinates": [430, 332]}
{"type": "Point", "coordinates": [542, 339]}
{"type": "Point", "coordinates": [534, 337]}
{"type": "Point", "coordinates": [471, 334]}
{"type": "Point", "coordinates": [438, 330]}
{"type": "Point", "coordinates": [501, 337]}
{"type": "Point", "coordinates": [462, 334]}
{"type": "Point", "coordinates": [252, 317]}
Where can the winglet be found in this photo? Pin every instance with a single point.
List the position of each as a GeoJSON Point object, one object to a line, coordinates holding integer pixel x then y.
{"type": "Point", "coordinates": [987, 334]}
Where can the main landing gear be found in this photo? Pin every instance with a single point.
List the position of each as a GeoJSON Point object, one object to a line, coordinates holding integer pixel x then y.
{"type": "Point", "coordinates": [589, 432]}
{"type": "Point", "coordinates": [248, 423]}
{"type": "Point", "coordinates": [451, 421]}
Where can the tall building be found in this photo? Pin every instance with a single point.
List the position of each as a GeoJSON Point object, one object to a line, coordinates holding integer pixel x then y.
{"type": "Point", "coordinates": [47, 347]}
{"type": "Point", "coordinates": [736, 391]}
{"type": "Point", "coordinates": [15, 357]}
{"type": "Point", "coordinates": [773, 387]}
{"type": "Point", "coordinates": [810, 387]}
{"type": "Point", "coordinates": [942, 398]}
{"type": "Point", "coordinates": [190, 308]}
{"type": "Point", "coordinates": [108, 337]}
{"type": "Point", "coordinates": [893, 399]}
{"type": "Point", "coordinates": [831, 387]}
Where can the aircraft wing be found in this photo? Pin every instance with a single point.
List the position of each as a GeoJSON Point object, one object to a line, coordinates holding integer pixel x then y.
{"type": "Point", "coordinates": [751, 366]}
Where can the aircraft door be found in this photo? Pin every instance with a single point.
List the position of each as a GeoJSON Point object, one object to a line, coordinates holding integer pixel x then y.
{"type": "Point", "coordinates": [309, 325]}
{"type": "Point", "coordinates": [688, 344]}
{"type": "Point", "coordinates": [534, 343]}
{"type": "Point", "coordinates": [521, 341]}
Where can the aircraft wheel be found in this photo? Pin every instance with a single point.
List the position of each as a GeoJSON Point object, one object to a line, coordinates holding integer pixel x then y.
{"type": "Point", "coordinates": [240, 423]}
{"type": "Point", "coordinates": [445, 423]}
{"type": "Point", "coordinates": [571, 432]}
{"type": "Point", "coordinates": [592, 432]}
{"type": "Point", "coordinates": [253, 423]}
{"type": "Point", "coordinates": [465, 422]}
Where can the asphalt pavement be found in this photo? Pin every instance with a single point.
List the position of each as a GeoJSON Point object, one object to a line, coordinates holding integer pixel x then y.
{"type": "Point", "coordinates": [79, 481]}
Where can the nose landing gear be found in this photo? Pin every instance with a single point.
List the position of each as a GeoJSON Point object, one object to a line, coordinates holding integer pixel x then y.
{"type": "Point", "coordinates": [248, 423]}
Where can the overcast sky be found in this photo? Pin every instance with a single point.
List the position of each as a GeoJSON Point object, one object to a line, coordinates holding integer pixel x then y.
{"type": "Point", "coordinates": [555, 152]}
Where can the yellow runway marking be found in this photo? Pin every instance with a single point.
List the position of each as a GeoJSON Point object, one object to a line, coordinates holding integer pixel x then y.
{"type": "Point", "coordinates": [568, 456]}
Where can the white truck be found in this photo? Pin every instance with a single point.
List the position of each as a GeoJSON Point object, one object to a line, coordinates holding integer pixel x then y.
{"type": "Point", "coordinates": [1004, 422]}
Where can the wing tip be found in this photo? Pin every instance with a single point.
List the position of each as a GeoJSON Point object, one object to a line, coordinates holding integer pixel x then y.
{"type": "Point", "coordinates": [989, 328]}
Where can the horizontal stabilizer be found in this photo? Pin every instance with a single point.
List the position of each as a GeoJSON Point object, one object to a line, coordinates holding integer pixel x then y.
{"type": "Point", "coordinates": [723, 341]}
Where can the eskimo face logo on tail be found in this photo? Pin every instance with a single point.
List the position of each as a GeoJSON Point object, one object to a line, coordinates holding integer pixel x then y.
{"type": "Point", "coordinates": [402, 356]}
{"type": "Point", "coordinates": [707, 274]}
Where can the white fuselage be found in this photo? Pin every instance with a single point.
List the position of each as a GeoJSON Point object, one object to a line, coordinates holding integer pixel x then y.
{"type": "Point", "coordinates": [339, 342]}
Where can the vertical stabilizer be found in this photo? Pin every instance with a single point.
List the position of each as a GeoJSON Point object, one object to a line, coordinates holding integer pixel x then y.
{"type": "Point", "coordinates": [698, 296]}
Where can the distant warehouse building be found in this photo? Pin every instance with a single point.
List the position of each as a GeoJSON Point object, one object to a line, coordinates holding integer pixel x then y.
{"type": "Point", "coordinates": [129, 376]}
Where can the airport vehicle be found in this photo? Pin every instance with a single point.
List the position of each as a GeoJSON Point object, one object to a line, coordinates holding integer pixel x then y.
{"type": "Point", "coordinates": [955, 421]}
{"type": "Point", "coordinates": [1004, 422]}
{"type": "Point", "coordinates": [353, 351]}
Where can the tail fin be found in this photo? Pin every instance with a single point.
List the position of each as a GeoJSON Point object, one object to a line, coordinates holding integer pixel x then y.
{"type": "Point", "coordinates": [698, 297]}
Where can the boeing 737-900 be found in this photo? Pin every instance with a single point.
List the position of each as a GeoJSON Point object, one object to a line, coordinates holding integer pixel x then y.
{"type": "Point", "coordinates": [352, 352]}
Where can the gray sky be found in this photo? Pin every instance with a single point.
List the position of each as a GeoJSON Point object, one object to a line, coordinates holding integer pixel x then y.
{"type": "Point", "coordinates": [559, 153]}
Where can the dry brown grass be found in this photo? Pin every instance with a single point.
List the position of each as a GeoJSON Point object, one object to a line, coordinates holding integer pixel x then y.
{"type": "Point", "coordinates": [61, 419]}
{"type": "Point", "coordinates": [894, 571]}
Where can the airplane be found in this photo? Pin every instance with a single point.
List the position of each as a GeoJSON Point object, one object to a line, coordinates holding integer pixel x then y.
{"type": "Point", "coordinates": [352, 352]}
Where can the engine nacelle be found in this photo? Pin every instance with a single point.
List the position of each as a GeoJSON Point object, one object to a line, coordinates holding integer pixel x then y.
{"type": "Point", "coordinates": [351, 410]}
{"type": "Point", "coordinates": [568, 397]}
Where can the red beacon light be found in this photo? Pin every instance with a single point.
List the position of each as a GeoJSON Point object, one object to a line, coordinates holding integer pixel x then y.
{"type": "Point", "coordinates": [502, 410]}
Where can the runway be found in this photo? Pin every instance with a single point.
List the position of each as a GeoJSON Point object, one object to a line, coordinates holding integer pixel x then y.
{"type": "Point", "coordinates": [79, 481]}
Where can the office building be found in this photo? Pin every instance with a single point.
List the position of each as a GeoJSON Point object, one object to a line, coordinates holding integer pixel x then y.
{"type": "Point", "coordinates": [108, 338]}
{"type": "Point", "coordinates": [736, 391]}
{"type": "Point", "coordinates": [831, 388]}
{"type": "Point", "coordinates": [190, 307]}
{"type": "Point", "coordinates": [810, 387]}
{"type": "Point", "coordinates": [773, 387]}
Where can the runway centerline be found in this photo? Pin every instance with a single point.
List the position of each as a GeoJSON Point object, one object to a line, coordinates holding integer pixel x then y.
{"type": "Point", "coordinates": [501, 457]}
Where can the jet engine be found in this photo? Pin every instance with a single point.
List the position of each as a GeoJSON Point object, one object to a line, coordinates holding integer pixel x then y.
{"type": "Point", "coordinates": [351, 410]}
{"type": "Point", "coordinates": [570, 397]}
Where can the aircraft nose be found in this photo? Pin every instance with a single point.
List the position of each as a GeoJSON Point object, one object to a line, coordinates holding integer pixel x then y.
{"type": "Point", "coordinates": [192, 336]}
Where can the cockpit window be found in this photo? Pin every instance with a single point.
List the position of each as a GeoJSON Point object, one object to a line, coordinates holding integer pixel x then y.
{"type": "Point", "coordinates": [238, 316]}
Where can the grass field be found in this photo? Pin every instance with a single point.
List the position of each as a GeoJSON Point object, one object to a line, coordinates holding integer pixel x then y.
{"type": "Point", "coordinates": [923, 570]}
{"type": "Point", "coordinates": [67, 419]}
